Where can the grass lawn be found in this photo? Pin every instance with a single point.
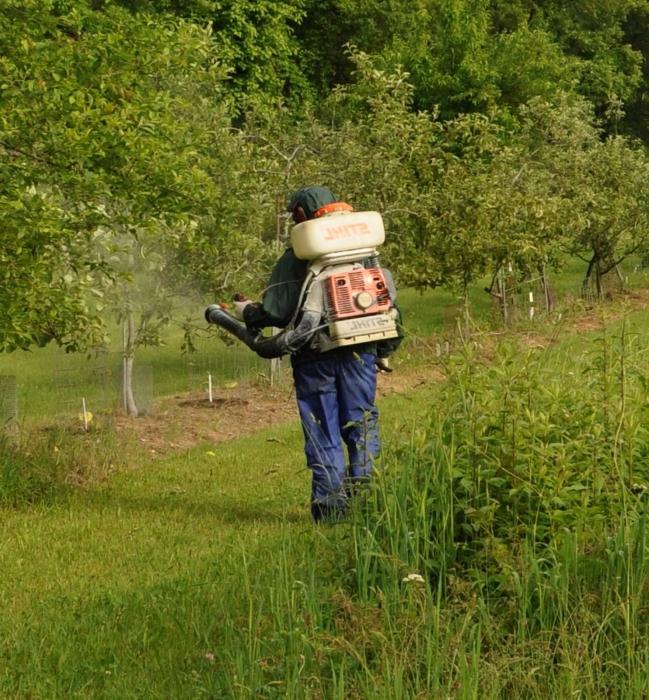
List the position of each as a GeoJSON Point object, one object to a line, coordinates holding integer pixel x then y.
{"type": "Point", "coordinates": [161, 582]}
{"type": "Point", "coordinates": [200, 575]}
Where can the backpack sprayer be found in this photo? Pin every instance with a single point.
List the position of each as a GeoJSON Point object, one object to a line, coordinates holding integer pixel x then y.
{"type": "Point", "coordinates": [346, 298]}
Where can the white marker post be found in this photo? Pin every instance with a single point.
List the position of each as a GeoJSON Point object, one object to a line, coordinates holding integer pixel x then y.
{"type": "Point", "coordinates": [209, 386]}
{"type": "Point", "coordinates": [85, 415]}
{"type": "Point", "coordinates": [531, 305]}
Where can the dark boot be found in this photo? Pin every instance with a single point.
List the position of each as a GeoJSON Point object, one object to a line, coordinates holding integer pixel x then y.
{"type": "Point", "coordinates": [324, 513]}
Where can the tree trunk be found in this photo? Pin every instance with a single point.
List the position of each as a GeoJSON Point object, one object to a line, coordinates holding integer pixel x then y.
{"type": "Point", "coordinates": [502, 281]}
{"type": "Point", "coordinates": [594, 262]}
{"type": "Point", "coordinates": [128, 329]}
{"type": "Point", "coordinates": [598, 280]}
{"type": "Point", "coordinates": [547, 291]}
{"type": "Point", "coordinates": [467, 311]}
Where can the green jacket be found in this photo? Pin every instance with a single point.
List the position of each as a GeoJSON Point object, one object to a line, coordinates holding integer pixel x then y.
{"type": "Point", "coordinates": [282, 294]}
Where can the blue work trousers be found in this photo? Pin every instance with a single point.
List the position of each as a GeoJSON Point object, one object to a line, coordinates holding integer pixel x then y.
{"type": "Point", "coordinates": [335, 398]}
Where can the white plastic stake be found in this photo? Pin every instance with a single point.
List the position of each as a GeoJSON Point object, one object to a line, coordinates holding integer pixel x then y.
{"type": "Point", "coordinates": [531, 304]}
{"type": "Point", "coordinates": [209, 386]}
{"type": "Point", "coordinates": [85, 415]}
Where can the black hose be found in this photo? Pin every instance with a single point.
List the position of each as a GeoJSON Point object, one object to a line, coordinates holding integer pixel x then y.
{"type": "Point", "coordinates": [286, 342]}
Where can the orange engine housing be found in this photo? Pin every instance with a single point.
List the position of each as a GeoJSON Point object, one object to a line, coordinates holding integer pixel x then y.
{"type": "Point", "coordinates": [344, 288]}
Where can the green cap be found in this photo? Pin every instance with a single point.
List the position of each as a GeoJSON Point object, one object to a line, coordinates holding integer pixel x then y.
{"type": "Point", "coordinates": [310, 199]}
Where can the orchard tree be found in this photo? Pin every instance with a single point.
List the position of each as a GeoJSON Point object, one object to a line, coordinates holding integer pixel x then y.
{"type": "Point", "coordinates": [467, 197]}
{"type": "Point", "coordinates": [140, 297]}
{"type": "Point", "coordinates": [373, 150]}
{"type": "Point", "coordinates": [596, 187]}
{"type": "Point", "coordinates": [94, 136]}
{"type": "Point", "coordinates": [416, 170]}
{"type": "Point", "coordinates": [614, 206]}
{"type": "Point", "coordinates": [227, 248]}
{"type": "Point", "coordinates": [529, 186]}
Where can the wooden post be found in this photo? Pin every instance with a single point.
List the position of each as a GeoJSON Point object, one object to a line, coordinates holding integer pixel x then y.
{"type": "Point", "coordinates": [544, 284]}
{"type": "Point", "coordinates": [503, 295]}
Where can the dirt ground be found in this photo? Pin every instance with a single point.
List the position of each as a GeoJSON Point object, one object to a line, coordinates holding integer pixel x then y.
{"type": "Point", "coordinates": [181, 421]}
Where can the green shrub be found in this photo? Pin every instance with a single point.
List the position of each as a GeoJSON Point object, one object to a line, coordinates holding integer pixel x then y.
{"type": "Point", "coordinates": [510, 532]}
{"type": "Point", "coordinates": [525, 449]}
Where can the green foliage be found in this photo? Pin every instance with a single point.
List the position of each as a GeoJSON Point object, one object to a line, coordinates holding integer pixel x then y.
{"type": "Point", "coordinates": [517, 452]}
{"type": "Point", "coordinates": [609, 69]}
{"type": "Point", "coordinates": [484, 55]}
{"type": "Point", "coordinates": [635, 117]}
{"type": "Point", "coordinates": [463, 64]}
{"type": "Point", "coordinates": [95, 137]}
{"type": "Point", "coordinates": [254, 41]}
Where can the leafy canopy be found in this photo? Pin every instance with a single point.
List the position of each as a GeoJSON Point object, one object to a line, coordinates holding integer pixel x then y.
{"type": "Point", "coordinates": [95, 136]}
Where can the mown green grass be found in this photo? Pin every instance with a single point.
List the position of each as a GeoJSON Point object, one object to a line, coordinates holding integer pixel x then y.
{"type": "Point", "coordinates": [123, 589]}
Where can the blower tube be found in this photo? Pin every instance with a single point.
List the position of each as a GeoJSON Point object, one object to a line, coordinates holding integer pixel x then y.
{"type": "Point", "coordinates": [286, 342]}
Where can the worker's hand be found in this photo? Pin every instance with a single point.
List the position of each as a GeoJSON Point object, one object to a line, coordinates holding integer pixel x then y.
{"type": "Point", "coordinates": [239, 305]}
{"type": "Point", "coordinates": [383, 364]}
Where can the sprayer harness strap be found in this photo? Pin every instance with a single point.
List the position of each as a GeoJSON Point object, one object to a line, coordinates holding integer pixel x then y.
{"type": "Point", "coordinates": [310, 276]}
{"type": "Point", "coordinates": [313, 273]}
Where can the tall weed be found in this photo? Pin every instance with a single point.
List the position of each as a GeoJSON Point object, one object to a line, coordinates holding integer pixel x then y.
{"type": "Point", "coordinates": [40, 462]}
{"type": "Point", "coordinates": [519, 506]}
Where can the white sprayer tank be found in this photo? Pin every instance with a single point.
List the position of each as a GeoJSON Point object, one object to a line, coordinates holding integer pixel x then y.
{"type": "Point", "coordinates": [337, 233]}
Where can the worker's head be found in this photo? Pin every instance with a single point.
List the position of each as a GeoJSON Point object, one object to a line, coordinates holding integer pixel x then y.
{"type": "Point", "coordinates": [305, 203]}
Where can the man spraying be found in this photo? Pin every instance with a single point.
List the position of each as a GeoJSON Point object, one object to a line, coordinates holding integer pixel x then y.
{"type": "Point", "coordinates": [337, 308]}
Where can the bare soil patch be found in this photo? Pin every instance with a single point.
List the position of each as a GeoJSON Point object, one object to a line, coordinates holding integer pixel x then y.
{"type": "Point", "coordinates": [181, 421]}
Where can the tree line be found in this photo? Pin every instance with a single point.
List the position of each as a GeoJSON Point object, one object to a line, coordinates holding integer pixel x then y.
{"type": "Point", "coordinates": [150, 145]}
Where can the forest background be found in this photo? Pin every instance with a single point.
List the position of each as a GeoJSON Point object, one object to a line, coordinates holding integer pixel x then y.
{"type": "Point", "coordinates": [148, 147]}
